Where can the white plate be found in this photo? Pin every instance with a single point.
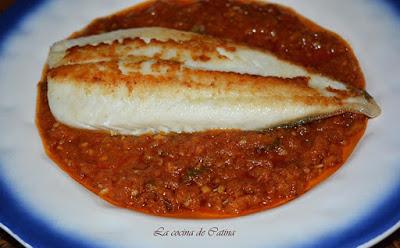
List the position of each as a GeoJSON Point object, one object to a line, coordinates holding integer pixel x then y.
{"type": "Point", "coordinates": [43, 207]}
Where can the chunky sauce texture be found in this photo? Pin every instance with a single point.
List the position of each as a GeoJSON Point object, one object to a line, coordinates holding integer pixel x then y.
{"type": "Point", "coordinates": [217, 173]}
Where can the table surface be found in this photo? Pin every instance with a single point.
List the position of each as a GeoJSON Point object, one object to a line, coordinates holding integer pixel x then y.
{"type": "Point", "coordinates": [6, 241]}
{"type": "Point", "coordinates": [393, 241]}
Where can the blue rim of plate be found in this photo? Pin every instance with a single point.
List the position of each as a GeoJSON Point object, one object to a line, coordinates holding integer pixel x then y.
{"type": "Point", "coordinates": [35, 232]}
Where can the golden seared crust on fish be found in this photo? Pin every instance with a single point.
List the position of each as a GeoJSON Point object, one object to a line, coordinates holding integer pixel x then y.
{"type": "Point", "coordinates": [172, 81]}
{"type": "Point", "coordinates": [191, 49]}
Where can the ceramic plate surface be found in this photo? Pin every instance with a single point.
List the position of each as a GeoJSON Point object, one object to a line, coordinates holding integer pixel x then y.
{"type": "Point", "coordinates": [42, 207]}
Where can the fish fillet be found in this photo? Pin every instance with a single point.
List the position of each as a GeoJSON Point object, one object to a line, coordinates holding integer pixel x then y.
{"type": "Point", "coordinates": [144, 80]}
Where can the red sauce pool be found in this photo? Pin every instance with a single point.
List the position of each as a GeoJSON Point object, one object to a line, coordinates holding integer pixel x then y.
{"type": "Point", "coordinates": [214, 174]}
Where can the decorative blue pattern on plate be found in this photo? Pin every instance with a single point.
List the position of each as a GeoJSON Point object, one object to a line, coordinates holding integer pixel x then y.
{"type": "Point", "coordinates": [40, 226]}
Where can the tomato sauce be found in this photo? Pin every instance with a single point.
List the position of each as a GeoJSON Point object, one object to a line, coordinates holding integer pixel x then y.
{"type": "Point", "coordinates": [214, 174]}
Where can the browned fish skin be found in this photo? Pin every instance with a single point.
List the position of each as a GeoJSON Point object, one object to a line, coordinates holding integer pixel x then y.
{"type": "Point", "coordinates": [198, 48]}
{"type": "Point", "coordinates": [166, 80]}
{"type": "Point", "coordinates": [164, 96]}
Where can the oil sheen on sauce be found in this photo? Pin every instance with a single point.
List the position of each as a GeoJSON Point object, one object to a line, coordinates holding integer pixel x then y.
{"type": "Point", "coordinates": [214, 174]}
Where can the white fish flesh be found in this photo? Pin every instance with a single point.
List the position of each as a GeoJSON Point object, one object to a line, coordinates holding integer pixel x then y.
{"type": "Point", "coordinates": [144, 80]}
